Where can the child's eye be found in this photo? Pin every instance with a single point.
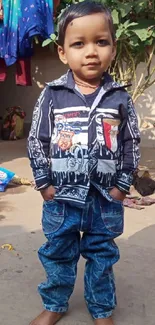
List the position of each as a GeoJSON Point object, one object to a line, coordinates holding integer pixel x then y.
{"type": "Point", "coordinates": [77, 44]}
{"type": "Point", "coordinates": [102, 42]}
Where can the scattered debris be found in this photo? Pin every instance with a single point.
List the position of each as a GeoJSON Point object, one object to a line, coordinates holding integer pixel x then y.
{"type": "Point", "coordinates": [145, 125]}
{"type": "Point", "coordinates": [148, 123]}
{"type": "Point", "coordinates": [144, 185]}
{"type": "Point", "coordinates": [131, 203]}
{"type": "Point", "coordinates": [20, 180]}
{"type": "Point", "coordinates": [8, 246]}
{"type": "Point", "coordinates": [139, 203]}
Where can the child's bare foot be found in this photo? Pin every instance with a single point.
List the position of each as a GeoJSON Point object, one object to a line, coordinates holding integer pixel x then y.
{"type": "Point", "coordinates": [47, 318]}
{"type": "Point", "coordinates": [104, 321]}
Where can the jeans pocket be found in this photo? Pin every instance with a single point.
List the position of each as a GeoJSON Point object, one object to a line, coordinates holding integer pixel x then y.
{"type": "Point", "coordinates": [112, 214]}
{"type": "Point", "coordinates": [116, 201]}
{"type": "Point", "coordinates": [53, 216]}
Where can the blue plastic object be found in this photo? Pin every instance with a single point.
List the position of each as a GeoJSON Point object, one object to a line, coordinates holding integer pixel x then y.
{"type": "Point", "coordinates": [5, 178]}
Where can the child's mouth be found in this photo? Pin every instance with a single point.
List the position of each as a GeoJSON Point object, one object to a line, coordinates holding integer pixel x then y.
{"type": "Point", "coordinates": [92, 64]}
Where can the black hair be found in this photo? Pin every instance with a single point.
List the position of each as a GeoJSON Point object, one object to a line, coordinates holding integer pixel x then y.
{"type": "Point", "coordinates": [81, 9]}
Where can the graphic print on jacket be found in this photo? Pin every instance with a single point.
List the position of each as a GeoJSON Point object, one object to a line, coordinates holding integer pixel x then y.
{"type": "Point", "coordinates": [97, 144]}
{"type": "Point", "coordinates": [69, 146]}
{"type": "Point", "coordinates": [110, 131]}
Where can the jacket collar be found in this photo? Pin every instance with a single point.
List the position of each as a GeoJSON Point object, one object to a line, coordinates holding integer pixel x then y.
{"type": "Point", "coordinates": [67, 81]}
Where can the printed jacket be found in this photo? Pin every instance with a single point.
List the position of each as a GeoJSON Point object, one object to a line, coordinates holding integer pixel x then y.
{"type": "Point", "coordinates": [71, 145]}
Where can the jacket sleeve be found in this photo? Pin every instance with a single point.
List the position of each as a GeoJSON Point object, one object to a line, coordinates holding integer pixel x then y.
{"type": "Point", "coordinates": [130, 151]}
{"type": "Point", "coordinates": [40, 138]}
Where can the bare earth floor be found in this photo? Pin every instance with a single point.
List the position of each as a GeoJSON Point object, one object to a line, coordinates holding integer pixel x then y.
{"type": "Point", "coordinates": [20, 270]}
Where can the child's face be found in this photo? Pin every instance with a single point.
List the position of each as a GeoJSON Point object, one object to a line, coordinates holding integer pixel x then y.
{"type": "Point", "coordinates": [88, 48]}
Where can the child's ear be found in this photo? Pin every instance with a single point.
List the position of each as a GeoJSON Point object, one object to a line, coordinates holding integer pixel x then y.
{"type": "Point", "coordinates": [62, 55]}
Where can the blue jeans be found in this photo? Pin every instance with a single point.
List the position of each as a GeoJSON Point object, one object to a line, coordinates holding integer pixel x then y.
{"type": "Point", "coordinates": [100, 222]}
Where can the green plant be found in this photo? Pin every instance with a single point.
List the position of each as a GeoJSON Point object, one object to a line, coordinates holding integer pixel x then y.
{"type": "Point", "coordinates": [135, 33]}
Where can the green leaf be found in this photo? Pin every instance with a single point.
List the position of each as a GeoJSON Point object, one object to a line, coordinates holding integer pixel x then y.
{"type": "Point", "coordinates": [132, 24]}
{"type": "Point", "coordinates": [149, 41]}
{"type": "Point", "coordinates": [46, 42]}
{"type": "Point", "coordinates": [141, 33]}
{"type": "Point", "coordinates": [53, 37]}
{"type": "Point", "coordinates": [124, 8]}
{"type": "Point", "coordinates": [140, 5]}
{"type": "Point", "coordinates": [128, 24]}
{"type": "Point", "coordinates": [134, 41]}
{"type": "Point", "coordinates": [119, 31]}
{"type": "Point", "coordinates": [115, 17]}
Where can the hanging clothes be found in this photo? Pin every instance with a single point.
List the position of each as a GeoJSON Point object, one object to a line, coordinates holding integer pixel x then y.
{"type": "Point", "coordinates": [45, 25]}
{"type": "Point", "coordinates": [24, 19]}
{"type": "Point", "coordinates": [36, 20]}
{"type": "Point", "coordinates": [3, 72]}
{"type": "Point", "coordinates": [23, 72]}
{"type": "Point", "coordinates": [1, 10]}
{"type": "Point", "coordinates": [9, 31]}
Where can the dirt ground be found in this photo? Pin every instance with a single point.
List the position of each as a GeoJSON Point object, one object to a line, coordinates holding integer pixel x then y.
{"type": "Point", "coordinates": [20, 270]}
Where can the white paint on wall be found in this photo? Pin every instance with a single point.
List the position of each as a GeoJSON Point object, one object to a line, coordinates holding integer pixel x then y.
{"type": "Point", "coordinates": [145, 107]}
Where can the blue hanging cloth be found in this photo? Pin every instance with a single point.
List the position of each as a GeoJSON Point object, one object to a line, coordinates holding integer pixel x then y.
{"type": "Point", "coordinates": [36, 19]}
{"type": "Point", "coordinates": [45, 24]}
{"type": "Point", "coordinates": [24, 19]}
{"type": "Point", "coordinates": [9, 31]}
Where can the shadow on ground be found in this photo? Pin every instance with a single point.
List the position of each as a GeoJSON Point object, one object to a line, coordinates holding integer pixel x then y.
{"type": "Point", "coordinates": [10, 150]}
{"type": "Point", "coordinates": [20, 273]}
{"type": "Point", "coordinates": [14, 189]}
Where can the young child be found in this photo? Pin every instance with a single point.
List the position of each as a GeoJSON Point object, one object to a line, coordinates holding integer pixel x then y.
{"type": "Point", "coordinates": [83, 148]}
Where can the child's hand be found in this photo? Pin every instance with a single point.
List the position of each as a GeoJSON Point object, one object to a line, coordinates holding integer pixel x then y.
{"type": "Point", "coordinates": [48, 193]}
{"type": "Point", "coordinates": [116, 194]}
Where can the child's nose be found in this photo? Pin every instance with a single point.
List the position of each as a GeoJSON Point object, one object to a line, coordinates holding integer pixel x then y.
{"type": "Point", "coordinates": [91, 50]}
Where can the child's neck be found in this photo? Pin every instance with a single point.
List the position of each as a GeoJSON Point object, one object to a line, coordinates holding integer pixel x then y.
{"type": "Point", "coordinates": [87, 87]}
